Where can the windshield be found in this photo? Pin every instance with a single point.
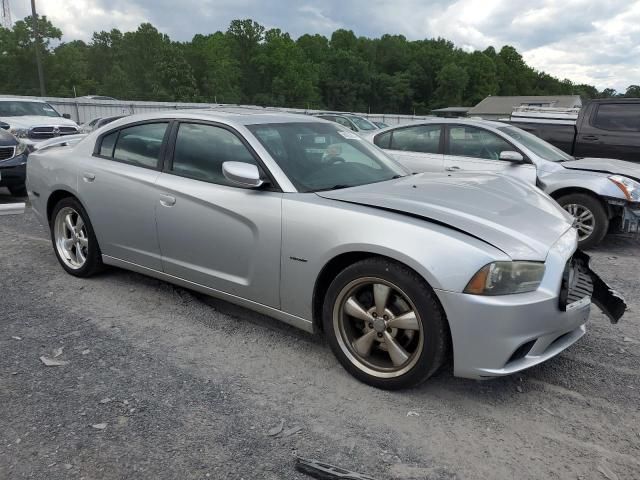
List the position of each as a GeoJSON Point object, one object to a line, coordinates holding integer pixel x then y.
{"type": "Point", "coordinates": [362, 123]}
{"type": "Point", "coordinates": [20, 108]}
{"type": "Point", "coordinates": [324, 156]}
{"type": "Point", "coordinates": [536, 145]}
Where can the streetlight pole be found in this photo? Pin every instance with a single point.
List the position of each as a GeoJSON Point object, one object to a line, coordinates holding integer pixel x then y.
{"type": "Point", "coordinates": [36, 32]}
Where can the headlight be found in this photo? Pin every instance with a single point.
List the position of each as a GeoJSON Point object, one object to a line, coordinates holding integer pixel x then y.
{"type": "Point", "coordinates": [630, 188]}
{"type": "Point", "coordinates": [21, 148]}
{"type": "Point", "coordinates": [506, 278]}
{"type": "Point", "coordinates": [19, 132]}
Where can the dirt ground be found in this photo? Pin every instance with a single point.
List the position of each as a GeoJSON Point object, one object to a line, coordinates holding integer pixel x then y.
{"type": "Point", "coordinates": [188, 387]}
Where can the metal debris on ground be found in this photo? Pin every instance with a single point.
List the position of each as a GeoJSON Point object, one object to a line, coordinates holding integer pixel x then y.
{"type": "Point", "coordinates": [16, 338]}
{"type": "Point", "coordinates": [50, 362]}
{"type": "Point", "coordinates": [99, 426]}
{"type": "Point", "coordinates": [292, 431]}
{"type": "Point", "coordinates": [413, 414]}
{"type": "Point", "coordinates": [326, 471]}
{"type": "Point", "coordinates": [57, 352]}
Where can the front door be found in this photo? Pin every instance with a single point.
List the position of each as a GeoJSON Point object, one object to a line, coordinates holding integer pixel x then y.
{"type": "Point", "coordinates": [214, 233]}
{"type": "Point", "coordinates": [473, 149]}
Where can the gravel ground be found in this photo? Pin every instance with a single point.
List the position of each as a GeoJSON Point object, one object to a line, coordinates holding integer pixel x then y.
{"type": "Point", "coordinates": [188, 387]}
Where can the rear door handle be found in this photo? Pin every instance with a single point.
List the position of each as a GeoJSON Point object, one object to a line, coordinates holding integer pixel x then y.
{"type": "Point", "coordinates": [167, 200]}
{"type": "Point", "coordinates": [452, 169]}
{"type": "Point", "coordinates": [590, 138]}
{"type": "Point", "coordinates": [88, 177]}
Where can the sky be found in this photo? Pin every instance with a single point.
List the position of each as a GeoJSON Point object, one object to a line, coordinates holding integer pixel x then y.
{"type": "Point", "coordinates": [588, 41]}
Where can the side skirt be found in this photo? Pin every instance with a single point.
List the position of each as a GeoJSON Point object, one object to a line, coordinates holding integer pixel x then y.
{"type": "Point", "coordinates": [293, 320]}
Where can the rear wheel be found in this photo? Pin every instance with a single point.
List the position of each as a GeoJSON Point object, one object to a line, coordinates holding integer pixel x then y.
{"type": "Point", "coordinates": [591, 217]}
{"type": "Point", "coordinates": [384, 324]}
{"type": "Point", "coordinates": [74, 241]}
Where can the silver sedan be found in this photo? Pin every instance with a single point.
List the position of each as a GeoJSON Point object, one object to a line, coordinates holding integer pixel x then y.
{"type": "Point", "coordinates": [601, 194]}
{"type": "Point", "coordinates": [303, 220]}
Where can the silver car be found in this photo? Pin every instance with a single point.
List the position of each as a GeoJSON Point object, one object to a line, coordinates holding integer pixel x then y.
{"type": "Point", "coordinates": [303, 220]}
{"type": "Point", "coordinates": [601, 194]}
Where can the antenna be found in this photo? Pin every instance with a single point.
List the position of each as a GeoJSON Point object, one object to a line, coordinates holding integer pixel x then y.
{"type": "Point", "coordinates": [6, 14]}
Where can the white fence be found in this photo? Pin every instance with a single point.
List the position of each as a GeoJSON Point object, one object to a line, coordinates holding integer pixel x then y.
{"type": "Point", "coordinates": [82, 110]}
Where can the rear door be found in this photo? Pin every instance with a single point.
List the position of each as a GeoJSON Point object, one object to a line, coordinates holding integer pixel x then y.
{"type": "Point", "coordinates": [117, 187]}
{"type": "Point", "coordinates": [474, 149]}
{"type": "Point", "coordinates": [418, 148]}
{"type": "Point", "coordinates": [211, 231]}
{"type": "Point", "coordinates": [612, 131]}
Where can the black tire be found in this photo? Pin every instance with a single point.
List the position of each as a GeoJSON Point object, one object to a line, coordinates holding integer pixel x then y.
{"type": "Point", "coordinates": [432, 319]}
{"type": "Point", "coordinates": [595, 206]}
{"type": "Point", "coordinates": [93, 263]}
{"type": "Point", "coordinates": [18, 191]}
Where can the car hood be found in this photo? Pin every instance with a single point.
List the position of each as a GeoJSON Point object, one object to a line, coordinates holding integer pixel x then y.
{"type": "Point", "coordinates": [605, 165]}
{"type": "Point", "coordinates": [512, 216]}
{"type": "Point", "coordinates": [28, 121]}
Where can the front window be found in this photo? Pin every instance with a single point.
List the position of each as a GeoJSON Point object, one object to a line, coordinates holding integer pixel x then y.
{"type": "Point", "coordinates": [21, 108]}
{"type": "Point", "coordinates": [466, 141]}
{"type": "Point", "coordinates": [538, 146]}
{"type": "Point", "coordinates": [321, 156]}
{"type": "Point", "coordinates": [363, 124]}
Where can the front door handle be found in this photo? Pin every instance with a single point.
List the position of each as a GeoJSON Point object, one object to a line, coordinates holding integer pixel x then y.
{"type": "Point", "coordinates": [590, 138]}
{"type": "Point", "coordinates": [452, 169]}
{"type": "Point", "coordinates": [88, 177]}
{"type": "Point", "coordinates": [167, 200]}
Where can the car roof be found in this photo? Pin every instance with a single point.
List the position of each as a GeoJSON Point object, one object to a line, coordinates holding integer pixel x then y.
{"type": "Point", "coordinates": [231, 115]}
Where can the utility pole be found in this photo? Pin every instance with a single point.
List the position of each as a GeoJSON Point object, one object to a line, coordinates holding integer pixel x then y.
{"type": "Point", "coordinates": [36, 32]}
{"type": "Point", "coordinates": [6, 14]}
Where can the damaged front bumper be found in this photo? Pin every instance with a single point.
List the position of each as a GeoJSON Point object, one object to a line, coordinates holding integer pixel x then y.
{"type": "Point", "coordinates": [631, 218]}
{"type": "Point", "coordinates": [579, 281]}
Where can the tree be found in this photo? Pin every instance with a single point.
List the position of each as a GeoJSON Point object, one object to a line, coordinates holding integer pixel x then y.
{"type": "Point", "coordinates": [452, 80]}
{"type": "Point", "coordinates": [633, 91]}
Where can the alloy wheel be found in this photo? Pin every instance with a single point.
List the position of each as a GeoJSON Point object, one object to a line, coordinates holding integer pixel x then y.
{"type": "Point", "coordinates": [585, 220]}
{"type": "Point", "coordinates": [71, 239]}
{"type": "Point", "coordinates": [378, 327]}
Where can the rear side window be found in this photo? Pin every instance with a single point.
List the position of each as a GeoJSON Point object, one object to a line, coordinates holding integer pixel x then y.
{"type": "Point", "coordinates": [421, 139]}
{"type": "Point", "coordinates": [140, 145]}
{"type": "Point", "coordinates": [108, 142]}
{"type": "Point", "coordinates": [202, 149]}
{"type": "Point", "coordinates": [624, 117]}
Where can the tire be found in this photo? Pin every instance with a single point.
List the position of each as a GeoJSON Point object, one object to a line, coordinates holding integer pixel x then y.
{"type": "Point", "coordinates": [89, 261]}
{"type": "Point", "coordinates": [598, 221]}
{"type": "Point", "coordinates": [423, 336]}
{"type": "Point", "coordinates": [18, 191]}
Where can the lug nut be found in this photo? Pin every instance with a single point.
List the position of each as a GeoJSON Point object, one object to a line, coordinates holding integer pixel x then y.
{"type": "Point", "coordinates": [371, 325]}
{"type": "Point", "coordinates": [374, 314]}
{"type": "Point", "coordinates": [386, 317]}
{"type": "Point", "coordinates": [389, 329]}
{"type": "Point", "coordinates": [380, 335]}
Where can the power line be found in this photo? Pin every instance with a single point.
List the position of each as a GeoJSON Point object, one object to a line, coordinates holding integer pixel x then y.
{"type": "Point", "coordinates": [6, 14]}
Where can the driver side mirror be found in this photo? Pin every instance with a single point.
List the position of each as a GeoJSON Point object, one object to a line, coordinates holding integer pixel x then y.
{"type": "Point", "coordinates": [67, 116]}
{"type": "Point", "coordinates": [515, 157]}
{"type": "Point", "coordinates": [243, 174]}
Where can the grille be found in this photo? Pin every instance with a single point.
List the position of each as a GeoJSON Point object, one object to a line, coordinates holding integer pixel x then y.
{"type": "Point", "coordinates": [7, 152]}
{"type": "Point", "coordinates": [41, 133]}
{"type": "Point", "coordinates": [576, 284]}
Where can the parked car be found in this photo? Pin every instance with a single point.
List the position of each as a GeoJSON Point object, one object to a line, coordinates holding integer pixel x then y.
{"type": "Point", "coordinates": [96, 123]}
{"type": "Point", "coordinates": [380, 124]}
{"type": "Point", "coordinates": [352, 122]}
{"type": "Point", "coordinates": [601, 194]}
{"type": "Point", "coordinates": [605, 128]}
{"type": "Point", "coordinates": [303, 220]}
{"type": "Point", "coordinates": [13, 159]}
{"type": "Point", "coordinates": [33, 120]}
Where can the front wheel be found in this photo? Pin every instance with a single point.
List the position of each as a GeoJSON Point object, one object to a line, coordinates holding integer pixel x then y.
{"type": "Point", "coordinates": [74, 241]}
{"type": "Point", "coordinates": [384, 324]}
{"type": "Point", "coordinates": [592, 221]}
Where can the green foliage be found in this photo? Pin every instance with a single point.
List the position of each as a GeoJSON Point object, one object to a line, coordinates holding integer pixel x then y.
{"type": "Point", "coordinates": [250, 64]}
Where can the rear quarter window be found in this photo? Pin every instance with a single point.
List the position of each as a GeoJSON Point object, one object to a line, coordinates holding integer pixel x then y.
{"type": "Point", "coordinates": [621, 117]}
